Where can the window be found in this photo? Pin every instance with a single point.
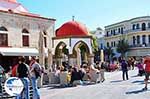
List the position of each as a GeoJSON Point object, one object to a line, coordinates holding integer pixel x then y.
{"type": "Point", "coordinates": [107, 34]}
{"type": "Point", "coordinates": [3, 36]}
{"type": "Point", "coordinates": [122, 30]}
{"type": "Point", "coordinates": [143, 39]}
{"type": "Point", "coordinates": [101, 45]}
{"type": "Point", "coordinates": [107, 44]}
{"type": "Point", "coordinates": [148, 25]}
{"type": "Point", "coordinates": [118, 30]}
{"type": "Point", "coordinates": [133, 27]}
{"type": "Point", "coordinates": [138, 39]}
{"type": "Point", "coordinates": [111, 32]}
{"type": "Point", "coordinates": [111, 44]}
{"type": "Point", "coordinates": [25, 31]}
{"type": "Point", "coordinates": [3, 40]}
{"type": "Point", "coordinates": [137, 26]}
{"type": "Point", "coordinates": [3, 28]}
{"type": "Point", "coordinates": [134, 39]}
{"type": "Point", "coordinates": [45, 42]}
{"type": "Point", "coordinates": [45, 38]}
{"type": "Point", "coordinates": [25, 37]}
{"type": "Point", "coordinates": [143, 26]}
{"type": "Point", "coordinates": [114, 32]}
{"type": "Point", "coordinates": [118, 41]}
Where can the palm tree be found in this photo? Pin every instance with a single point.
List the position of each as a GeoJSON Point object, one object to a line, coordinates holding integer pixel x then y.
{"type": "Point", "coordinates": [109, 52]}
{"type": "Point", "coordinates": [123, 47]}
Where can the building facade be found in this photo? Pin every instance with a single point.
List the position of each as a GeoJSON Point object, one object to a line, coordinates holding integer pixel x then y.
{"type": "Point", "coordinates": [20, 32]}
{"type": "Point", "coordinates": [136, 31]}
{"type": "Point", "coordinates": [99, 34]}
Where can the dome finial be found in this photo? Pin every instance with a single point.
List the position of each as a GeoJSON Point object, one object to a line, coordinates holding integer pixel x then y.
{"type": "Point", "coordinates": [73, 18]}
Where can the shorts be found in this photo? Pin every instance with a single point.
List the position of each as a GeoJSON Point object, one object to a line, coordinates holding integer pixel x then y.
{"type": "Point", "coordinates": [147, 74]}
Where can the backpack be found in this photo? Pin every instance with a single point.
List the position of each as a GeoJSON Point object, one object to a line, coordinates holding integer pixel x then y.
{"type": "Point", "coordinates": [38, 70]}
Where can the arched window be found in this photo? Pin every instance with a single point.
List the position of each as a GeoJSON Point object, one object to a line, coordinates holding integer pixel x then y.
{"type": "Point", "coordinates": [25, 31]}
{"type": "Point", "coordinates": [3, 36]}
{"type": "Point", "coordinates": [138, 39]}
{"type": "Point", "coordinates": [134, 39]}
{"type": "Point", "coordinates": [107, 44]}
{"type": "Point", "coordinates": [143, 39]}
{"type": "Point", "coordinates": [111, 44]}
{"type": "Point", "coordinates": [45, 38]}
{"type": "Point", "coordinates": [2, 28]}
{"type": "Point", "coordinates": [118, 30]}
{"type": "Point", "coordinates": [143, 26]}
{"type": "Point", "coordinates": [133, 27]}
{"type": "Point", "coordinates": [137, 26]}
{"type": "Point", "coordinates": [25, 37]}
{"type": "Point", "coordinates": [122, 30]}
{"type": "Point", "coordinates": [148, 25]}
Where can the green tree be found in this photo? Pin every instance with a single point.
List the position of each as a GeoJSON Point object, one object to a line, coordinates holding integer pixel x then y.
{"type": "Point", "coordinates": [122, 47]}
{"type": "Point", "coordinates": [109, 52]}
{"type": "Point", "coordinates": [95, 44]}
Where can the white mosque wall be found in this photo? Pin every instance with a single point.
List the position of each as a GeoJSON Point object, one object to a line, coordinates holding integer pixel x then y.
{"type": "Point", "coordinates": [57, 41]}
{"type": "Point", "coordinates": [74, 41]}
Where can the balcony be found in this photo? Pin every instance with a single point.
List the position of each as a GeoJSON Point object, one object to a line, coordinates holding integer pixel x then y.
{"type": "Point", "coordinates": [130, 31]}
{"type": "Point", "coordinates": [140, 46]}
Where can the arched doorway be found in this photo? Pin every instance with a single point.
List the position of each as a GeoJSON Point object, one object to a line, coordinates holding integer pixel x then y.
{"type": "Point", "coordinates": [61, 54]}
{"type": "Point", "coordinates": [81, 52]}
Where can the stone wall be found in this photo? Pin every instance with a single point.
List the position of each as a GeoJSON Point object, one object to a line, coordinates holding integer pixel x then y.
{"type": "Point", "coordinates": [15, 23]}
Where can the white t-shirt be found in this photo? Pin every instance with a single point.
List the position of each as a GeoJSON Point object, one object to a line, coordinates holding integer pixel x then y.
{"type": "Point", "coordinates": [35, 66]}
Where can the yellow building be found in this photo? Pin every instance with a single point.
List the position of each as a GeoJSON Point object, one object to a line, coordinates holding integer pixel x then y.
{"type": "Point", "coordinates": [135, 30]}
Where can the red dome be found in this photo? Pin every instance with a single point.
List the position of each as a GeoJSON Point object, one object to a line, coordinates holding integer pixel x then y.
{"type": "Point", "coordinates": [72, 28]}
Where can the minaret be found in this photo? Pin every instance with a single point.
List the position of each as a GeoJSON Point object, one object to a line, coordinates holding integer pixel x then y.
{"type": "Point", "coordinates": [73, 18]}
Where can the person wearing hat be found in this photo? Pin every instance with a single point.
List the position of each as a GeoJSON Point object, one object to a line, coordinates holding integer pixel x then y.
{"type": "Point", "coordinates": [147, 70]}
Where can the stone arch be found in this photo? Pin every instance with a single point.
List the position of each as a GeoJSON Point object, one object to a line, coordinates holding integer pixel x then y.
{"type": "Point", "coordinates": [61, 53]}
{"type": "Point", "coordinates": [81, 51]}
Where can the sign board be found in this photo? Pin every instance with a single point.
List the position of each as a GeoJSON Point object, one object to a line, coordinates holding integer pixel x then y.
{"type": "Point", "coordinates": [13, 86]}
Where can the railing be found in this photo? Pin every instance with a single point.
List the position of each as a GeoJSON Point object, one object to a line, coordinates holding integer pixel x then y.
{"type": "Point", "coordinates": [140, 45]}
{"type": "Point", "coordinates": [129, 31]}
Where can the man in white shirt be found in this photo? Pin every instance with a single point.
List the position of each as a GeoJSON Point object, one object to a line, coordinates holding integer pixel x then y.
{"type": "Point", "coordinates": [35, 74]}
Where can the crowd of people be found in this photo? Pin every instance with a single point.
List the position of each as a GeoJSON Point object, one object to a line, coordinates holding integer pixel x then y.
{"type": "Point", "coordinates": [83, 73]}
{"type": "Point", "coordinates": [30, 73]}
{"type": "Point", "coordinates": [75, 73]}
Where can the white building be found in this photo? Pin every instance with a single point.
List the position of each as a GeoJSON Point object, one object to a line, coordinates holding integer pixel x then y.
{"type": "Point", "coordinates": [135, 30]}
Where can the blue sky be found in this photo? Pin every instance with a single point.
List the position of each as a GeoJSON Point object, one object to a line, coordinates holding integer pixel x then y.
{"type": "Point", "coordinates": [93, 13]}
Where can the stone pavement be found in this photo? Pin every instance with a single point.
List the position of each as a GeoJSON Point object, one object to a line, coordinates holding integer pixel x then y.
{"type": "Point", "coordinates": [113, 88]}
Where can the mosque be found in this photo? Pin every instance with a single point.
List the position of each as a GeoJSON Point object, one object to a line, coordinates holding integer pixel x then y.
{"type": "Point", "coordinates": [73, 44]}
